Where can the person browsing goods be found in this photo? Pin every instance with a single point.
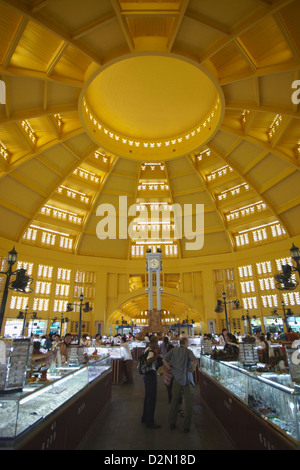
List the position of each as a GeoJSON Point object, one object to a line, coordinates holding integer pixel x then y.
{"type": "Point", "coordinates": [181, 361]}
{"type": "Point", "coordinates": [150, 382]}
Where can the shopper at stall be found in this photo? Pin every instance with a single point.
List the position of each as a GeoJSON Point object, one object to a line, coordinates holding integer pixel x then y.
{"type": "Point", "coordinates": [231, 347]}
{"type": "Point", "coordinates": [64, 348]}
{"type": "Point", "coordinates": [127, 361]}
{"type": "Point", "coordinates": [222, 337]}
{"type": "Point", "coordinates": [84, 340]}
{"type": "Point", "coordinates": [168, 381]}
{"type": "Point", "coordinates": [47, 342]}
{"type": "Point", "coordinates": [97, 341]}
{"type": "Point", "coordinates": [182, 362]}
{"type": "Point", "coordinates": [56, 342]}
{"type": "Point", "coordinates": [164, 346]}
{"type": "Point", "coordinates": [37, 348]}
{"type": "Point", "coordinates": [292, 335]}
{"type": "Point", "coordinates": [263, 343]}
{"type": "Point", "coordinates": [150, 382]}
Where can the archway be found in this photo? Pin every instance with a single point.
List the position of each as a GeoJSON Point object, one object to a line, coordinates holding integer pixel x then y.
{"type": "Point", "coordinates": [175, 310]}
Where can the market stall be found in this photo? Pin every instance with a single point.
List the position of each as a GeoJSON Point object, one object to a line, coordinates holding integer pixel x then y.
{"type": "Point", "coordinates": [56, 411]}
{"type": "Point", "coordinates": [257, 408]}
{"type": "Point", "coordinates": [117, 357]}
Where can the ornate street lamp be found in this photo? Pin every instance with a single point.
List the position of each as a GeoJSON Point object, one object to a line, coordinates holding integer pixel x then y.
{"type": "Point", "coordinates": [295, 255]}
{"type": "Point", "coordinates": [247, 318]}
{"type": "Point", "coordinates": [86, 308]}
{"type": "Point", "coordinates": [23, 316]}
{"type": "Point", "coordinates": [219, 308]}
{"type": "Point", "coordinates": [287, 312]}
{"type": "Point", "coordinates": [62, 321]}
{"type": "Point", "coordinates": [284, 280]}
{"type": "Point", "coordinates": [20, 283]}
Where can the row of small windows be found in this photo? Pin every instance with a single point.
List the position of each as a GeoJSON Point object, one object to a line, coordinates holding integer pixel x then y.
{"type": "Point", "coordinates": [272, 301]}
{"type": "Point", "coordinates": [48, 238]}
{"type": "Point", "coordinates": [66, 242]}
{"type": "Point", "coordinates": [63, 290]}
{"type": "Point", "coordinates": [253, 278]}
{"type": "Point", "coordinates": [263, 267]}
{"type": "Point", "coordinates": [168, 249]}
{"type": "Point", "coordinates": [61, 215]}
{"type": "Point", "coordinates": [264, 284]}
{"type": "Point", "coordinates": [43, 285]}
{"type": "Point", "coordinates": [41, 304]}
{"type": "Point", "coordinates": [260, 234]}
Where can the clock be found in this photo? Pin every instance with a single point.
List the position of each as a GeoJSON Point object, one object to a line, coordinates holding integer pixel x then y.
{"type": "Point", "coordinates": [154, 263]}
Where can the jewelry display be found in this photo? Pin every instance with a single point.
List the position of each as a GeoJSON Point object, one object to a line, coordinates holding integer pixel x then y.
{"type": "Point", "coordinates": [20, 411]}
{"type": "Point", "coordinates": [274, 397]}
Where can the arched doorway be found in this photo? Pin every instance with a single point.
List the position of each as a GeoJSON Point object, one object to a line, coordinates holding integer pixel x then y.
{"type": "Point", "coordinates": [132, 314]}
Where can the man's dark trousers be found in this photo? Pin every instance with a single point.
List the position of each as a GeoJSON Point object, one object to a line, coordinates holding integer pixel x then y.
{"type": "Point", "coordinates": [150, 381]}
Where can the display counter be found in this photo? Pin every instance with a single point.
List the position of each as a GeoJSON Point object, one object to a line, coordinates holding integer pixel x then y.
{"type": "Point", "coordinates": [137, 348]}
{"type": "Point", "coordinates": [117, 354]}
{"type": "Point", "coordinates": [258, 411]}
{"type": "Point", "coordinates": [58, 412]}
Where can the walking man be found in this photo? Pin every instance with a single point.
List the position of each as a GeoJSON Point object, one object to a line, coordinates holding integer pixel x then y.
{"type": "Point", "coordinates": [183, 362]}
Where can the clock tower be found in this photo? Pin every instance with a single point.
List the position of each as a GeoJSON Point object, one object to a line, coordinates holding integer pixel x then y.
{"type": "Point", "coordinates": [154, 267]}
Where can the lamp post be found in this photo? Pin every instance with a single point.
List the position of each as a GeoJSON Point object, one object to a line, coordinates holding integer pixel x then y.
{"type": "Point", "coordinates": [295, 255]}
{"type": "Point", "coordinates": [11, 259]}
{"type": "Point", "coordinates": [284, 280]}
{"type": "Point", "coordinates": [23, 316]}
{"type": "Point", "coordinates": [80, 318]}
{"type": "Point", "coordinates": [287, 312]}
{"type": "Point", "coordinates": [219, 308]}
{"type": "Point", "coordinates": [85, 308]}
{"type": "Point", "coordinates": [248, 319]}
{"type": "Point", "coordinates": [225, 307]}
{"type": "Point", "coordinates": [62, 321]}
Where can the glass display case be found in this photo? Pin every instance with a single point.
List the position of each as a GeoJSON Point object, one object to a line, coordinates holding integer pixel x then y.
{"type": "Point", "coordinates": [275, 398]}
{"type": "Point", "coordinates": [137, 344]}
{"type": "Point", "coordinates": [115, 352]}
{"type": "Point", "coordinates": [15, 355]}
{"type": "Point", "coordinates": [20, 411]}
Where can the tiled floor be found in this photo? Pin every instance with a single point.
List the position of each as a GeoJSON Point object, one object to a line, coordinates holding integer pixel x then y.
{"type": "Point", "coordinates": [120, 428]}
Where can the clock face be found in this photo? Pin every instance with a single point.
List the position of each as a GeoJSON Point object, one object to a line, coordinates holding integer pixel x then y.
{"type": "Point", "coordinates": [154, 263]}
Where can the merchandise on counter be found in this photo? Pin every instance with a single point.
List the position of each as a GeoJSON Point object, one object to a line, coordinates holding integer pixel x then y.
{"type": "Point", "coordinates": [14, 359]}
{"type": "Point", "coordinates": [76, 355]}
{"type": "Point", "coordinates": [293, 356]}
{"type": "Point", "coordinates": [273, 396]}
{"type": "Point", "coordinates": [248, 354]}
{"type": "Point", "coordinates": [206, 346]}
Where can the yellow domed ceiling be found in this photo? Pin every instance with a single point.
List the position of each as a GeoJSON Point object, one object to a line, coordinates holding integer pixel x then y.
{"type": "Point", "coordinates": [163, 103]}
{"type": "Point", "coordinates": [151, 106]}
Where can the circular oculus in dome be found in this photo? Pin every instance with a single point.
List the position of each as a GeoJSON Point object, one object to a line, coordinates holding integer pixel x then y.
{"type": "Point", "coordinates": [151, 106]}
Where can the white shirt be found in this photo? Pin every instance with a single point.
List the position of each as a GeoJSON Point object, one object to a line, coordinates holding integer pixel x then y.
{"type": "Point", "coordinates": [151, 353]}
{"type": "Point", "coordinates": [126, 350]}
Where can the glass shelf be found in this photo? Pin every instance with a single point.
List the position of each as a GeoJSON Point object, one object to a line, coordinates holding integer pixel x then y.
{"type": "Point", "coordinates": [273, 397]}
{"type": "Point", "coordinates": [20, 411]}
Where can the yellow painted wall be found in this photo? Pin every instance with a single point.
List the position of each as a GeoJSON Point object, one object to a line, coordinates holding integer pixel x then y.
{"type": "Point", "coordinates": [197, 287]}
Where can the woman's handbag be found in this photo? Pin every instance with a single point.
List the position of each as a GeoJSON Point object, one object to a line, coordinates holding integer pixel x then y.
{"type": "Point", "coordinates": [168, 377]}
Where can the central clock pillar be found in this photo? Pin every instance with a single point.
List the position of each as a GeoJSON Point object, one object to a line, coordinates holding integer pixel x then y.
{"type": "Point", "coordinates": [154, 267]}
